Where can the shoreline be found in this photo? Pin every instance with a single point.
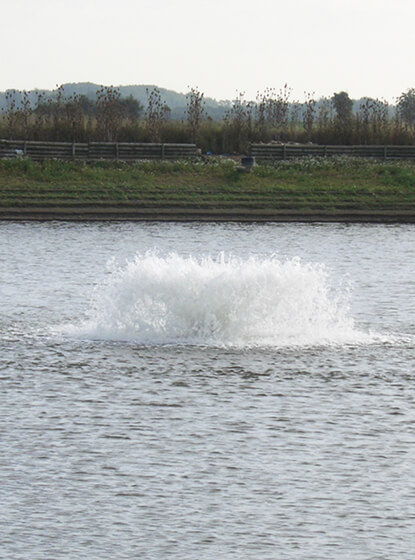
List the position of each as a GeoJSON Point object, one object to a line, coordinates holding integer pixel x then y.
{"type": "Point", "coordinates": [204, 215]}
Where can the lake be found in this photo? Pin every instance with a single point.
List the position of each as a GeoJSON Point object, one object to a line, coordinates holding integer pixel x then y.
{"type": "Point", "coordinates": [207, 391]}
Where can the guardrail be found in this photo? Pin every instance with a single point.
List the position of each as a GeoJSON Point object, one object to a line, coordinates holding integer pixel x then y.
{"type": "Point", "coordinates": [95, 151]}
{"type": "Point", "coordinates": [264, 153]}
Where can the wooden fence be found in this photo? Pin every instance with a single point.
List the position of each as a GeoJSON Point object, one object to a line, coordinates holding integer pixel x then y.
{"type": "Point", "coordinates": [95, 151]}
{"type": "Point", "coordinates": [267, 153]}
{"type": "Point", "coordinates": [128, 151]}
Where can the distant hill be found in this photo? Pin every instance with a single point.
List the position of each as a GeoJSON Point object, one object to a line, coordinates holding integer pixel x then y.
{"type": "Point", "coordinates": [176, 101]}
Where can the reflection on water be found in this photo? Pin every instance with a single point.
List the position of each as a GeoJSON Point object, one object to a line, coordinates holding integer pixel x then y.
{"type": "Point", "coordinates": [122, 449]}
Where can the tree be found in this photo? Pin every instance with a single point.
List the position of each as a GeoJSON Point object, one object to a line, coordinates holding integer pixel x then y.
{"type": "Point", "coordinates": [343, 106]}
{"type": "Point", "coordinates": [132, 108]}
{"type": "Point", "coordinates": [238, 121]}
{"type": "Point", "coordinates": [110, 112]}
{"type": "Point", "coordinates": [194, 111]}
{"type": "Point", "coordinates": [276, 108]}
{"type": "Point", "coordinates": [261, 107]}
{"type": "Point", "coordinates": [19, 110]}
{"type": "Point", "coordinates": [406, 107]}
{"type": "Point", "coordinates": [309, 114]}
{"type": "Point", "coordinates": [156, 115]}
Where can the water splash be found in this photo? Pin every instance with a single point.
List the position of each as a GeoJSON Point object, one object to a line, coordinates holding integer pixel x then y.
{"type": "Point", "coordinates": [221, 301]}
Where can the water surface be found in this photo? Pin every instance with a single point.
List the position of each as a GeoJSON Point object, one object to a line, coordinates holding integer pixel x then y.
{"type": "Point", "coordinates": [207, 391]}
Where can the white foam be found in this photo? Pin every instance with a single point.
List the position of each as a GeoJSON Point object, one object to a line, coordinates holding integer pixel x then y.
{"type": "Point", "coordinates": [221, 301]}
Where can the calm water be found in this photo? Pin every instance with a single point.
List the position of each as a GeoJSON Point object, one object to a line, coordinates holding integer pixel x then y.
{"type": "Point", "coordinates": [207, 391]}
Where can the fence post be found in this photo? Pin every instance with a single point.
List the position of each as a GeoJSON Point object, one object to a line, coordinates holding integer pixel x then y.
{"type": "Point", "coordinates": [385, 152]}
{"type": "Point", "coordinates": [162, 151]}
{"type": "Point", "coordinates": [284, 151]}
{"type": "Point", "coordinates": [73, 150]}
{"type": "Point", "coordinates": [116, 151]}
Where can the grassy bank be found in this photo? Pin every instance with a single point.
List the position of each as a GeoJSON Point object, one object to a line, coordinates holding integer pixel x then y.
{"type": "Point", "coordinates": [334, 188]}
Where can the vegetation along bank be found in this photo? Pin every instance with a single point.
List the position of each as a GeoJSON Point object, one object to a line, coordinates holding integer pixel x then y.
{"type": "Point", "coordinates": [91, 113]}
{"type": "Point", "coordinates": [308, 189]}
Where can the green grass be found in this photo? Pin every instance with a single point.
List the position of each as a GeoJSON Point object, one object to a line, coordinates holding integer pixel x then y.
{"type": "Point", "coordinates": [309, 184]}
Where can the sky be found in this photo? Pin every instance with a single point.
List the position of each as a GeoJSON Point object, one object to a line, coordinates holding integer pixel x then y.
{"type": "Point", "coordinates": [364, 47]}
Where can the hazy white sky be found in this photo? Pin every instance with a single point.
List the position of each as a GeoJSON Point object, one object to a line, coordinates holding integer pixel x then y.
{"type": "Point", "coordinates": [365, 47]}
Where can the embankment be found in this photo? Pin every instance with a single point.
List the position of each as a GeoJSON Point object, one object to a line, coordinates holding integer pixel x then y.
{"type": "Point", "coordinates": [335, 189]}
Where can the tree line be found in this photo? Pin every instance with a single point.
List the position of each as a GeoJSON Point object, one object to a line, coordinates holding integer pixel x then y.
{"type": "Point", "coordinates": [272, 116]}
